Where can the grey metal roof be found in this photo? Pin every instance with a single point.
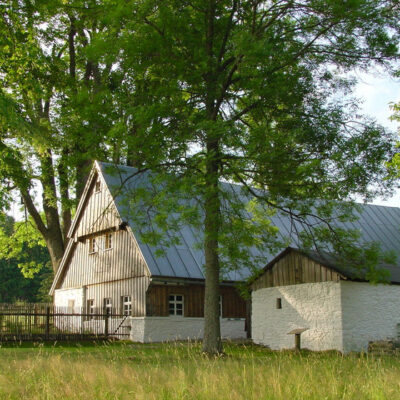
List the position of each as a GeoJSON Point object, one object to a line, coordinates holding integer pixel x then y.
{"type": "Point", "coordinates": [185, 260]}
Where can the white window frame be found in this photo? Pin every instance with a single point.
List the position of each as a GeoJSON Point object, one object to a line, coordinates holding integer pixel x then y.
{"type": "Point", "coordinates": [173, 302]}
{"type": "Point", "coordinates": [108, 241]}
{"type": "Point", "coordinates": [90, 308]}
{"type": "Point", "coordinates": [126, 303]}
{"type": "Point", "coordinates": [92, 245]}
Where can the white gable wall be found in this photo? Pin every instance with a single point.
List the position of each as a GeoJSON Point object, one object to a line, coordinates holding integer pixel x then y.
{"type": "Point", "coordinates": [370, 312]}
{"type": "Point", "coordinates": [316, 306]}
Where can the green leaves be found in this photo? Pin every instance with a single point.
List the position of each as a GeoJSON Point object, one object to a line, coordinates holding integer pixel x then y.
{"type": "Point", "coordinates": [262, 85]}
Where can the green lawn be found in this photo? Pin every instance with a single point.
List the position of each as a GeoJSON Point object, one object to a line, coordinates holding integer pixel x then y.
{"type": "Point", "coordinates": [179, 371]}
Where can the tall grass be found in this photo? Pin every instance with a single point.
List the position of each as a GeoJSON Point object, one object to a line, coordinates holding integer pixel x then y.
{"type": "Point", "coordinates": [179, 371]}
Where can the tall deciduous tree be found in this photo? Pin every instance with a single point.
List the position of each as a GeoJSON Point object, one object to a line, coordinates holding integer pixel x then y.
{"type": "Point", "coordinates": [251, 91]}
{"type": "Point", "coordinates": [57, 109]}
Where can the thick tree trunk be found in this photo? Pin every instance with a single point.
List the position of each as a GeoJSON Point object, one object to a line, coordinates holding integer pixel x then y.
{"type": "Point", "coordinates": [53, 234]}
{"type": "Point", "coordinates": [212, 334]}
{"type": "Point", "coordinates": [56, 250]}
{"type": "Point", "coordinates": [54, 242]}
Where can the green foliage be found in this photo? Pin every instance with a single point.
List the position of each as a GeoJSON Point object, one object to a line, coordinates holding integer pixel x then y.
{"type": "Point", "coordinates": [24, 263]}
{"type": "Point", "coordinates": [57, 110]}
{"type": "Point", "coordinates": [252, 91]}
{"type": "Point", "coordinates": [394, 164]}
{"type": "Point", "coordinates": [24, 245]}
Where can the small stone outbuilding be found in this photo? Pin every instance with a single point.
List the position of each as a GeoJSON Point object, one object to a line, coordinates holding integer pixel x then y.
{"type": "Point", "coordinates": [338, 308]}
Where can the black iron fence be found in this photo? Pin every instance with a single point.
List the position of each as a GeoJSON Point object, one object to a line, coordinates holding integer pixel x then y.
{"type": "Point", "coordinates": [29, 322]}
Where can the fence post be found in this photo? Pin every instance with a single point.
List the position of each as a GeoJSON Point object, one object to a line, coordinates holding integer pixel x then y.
{"type": "Point", "coordinates": [47, 322]}
{"type": "Point", "coordinates": [105, 322]}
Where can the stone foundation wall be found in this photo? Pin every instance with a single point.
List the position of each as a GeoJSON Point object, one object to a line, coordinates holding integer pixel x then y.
{"type": "Point", "coordinates": [162, 329]}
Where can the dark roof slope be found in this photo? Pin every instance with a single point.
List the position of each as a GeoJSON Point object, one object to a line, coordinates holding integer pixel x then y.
{"type": "Point", "coordinates": [185, 260]}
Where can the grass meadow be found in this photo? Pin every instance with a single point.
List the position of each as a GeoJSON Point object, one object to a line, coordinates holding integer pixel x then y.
{"type": "Point", "coordinates": [179, 371]}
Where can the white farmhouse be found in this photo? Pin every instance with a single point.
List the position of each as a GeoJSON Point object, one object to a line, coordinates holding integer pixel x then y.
{"type": "Point", "coordinates": [107, 268]}
{"type": "Point", "coordinates": [336, 308]}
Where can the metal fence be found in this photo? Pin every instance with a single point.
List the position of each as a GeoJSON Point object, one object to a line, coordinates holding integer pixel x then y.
{"type": "Point", "coordinates": [29, 322]}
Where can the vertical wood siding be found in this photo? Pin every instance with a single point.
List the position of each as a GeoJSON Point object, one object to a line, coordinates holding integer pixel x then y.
{"type": "Point", "coordinates": [122, 261]}
{"type": "Point", "coordinates": [99, 212]}
{"type": "Point", "coordinates": [292, 269]}
{"type": "Point", "coordinates": [233, 306]}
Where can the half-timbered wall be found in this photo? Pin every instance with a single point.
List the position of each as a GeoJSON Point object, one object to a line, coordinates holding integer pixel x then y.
{"type": "Point", "coordinates": [292, 269]}
{"type": "Point", "coordinates": [233, 306]}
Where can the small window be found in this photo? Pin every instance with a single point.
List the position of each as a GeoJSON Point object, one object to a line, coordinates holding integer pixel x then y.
{"type": "Point", "coordinates": [108, 241]}
{"type": "Point", "coordinates": [127, 305]}
{"type": "Point", "coordinates": [92, 245]}
{"type": "Point", "coordinates": [90, 308]}
{"type": "Point", "coordinates": [175, 304]}
{"type": "Point", "coordinates": [97, 186]}
{"type": "Point", "coordinates": [279, 303]}
{"type": "Point", "coordinates": [107, 305]}
{"type": "Point", "coordinates": [220, 306]}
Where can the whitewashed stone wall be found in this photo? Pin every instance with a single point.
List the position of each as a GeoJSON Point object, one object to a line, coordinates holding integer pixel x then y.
{"type": "Point", "coordinates": [316, 306]}
{"type": "Point", "coordinates": [162, 329]}
{"type": "Point", "coordinates": [61, 297]}
{"type": "Point", "coordinates": [370, 312]}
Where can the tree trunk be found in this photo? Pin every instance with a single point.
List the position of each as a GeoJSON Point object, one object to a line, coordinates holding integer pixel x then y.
{"type": "Point", "coordinates": [53, 234]}
{"type": "Point", "coordinates": [212, 332]}
{"type": "Point", "coordinates": [56, 250]}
